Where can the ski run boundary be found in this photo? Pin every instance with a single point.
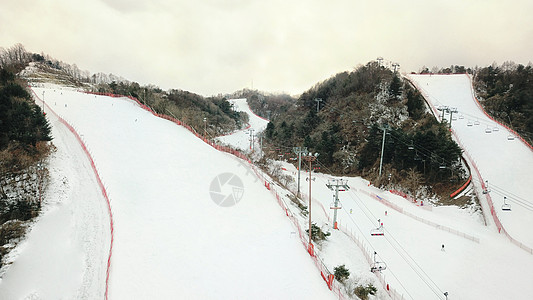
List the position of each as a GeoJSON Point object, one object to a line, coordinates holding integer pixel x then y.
{"type": "Point", "coordinates": [100, 184]}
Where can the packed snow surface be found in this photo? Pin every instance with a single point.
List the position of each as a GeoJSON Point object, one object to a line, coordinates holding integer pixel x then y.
{"type": "Point", "coordinates": [171, 240]}
{"type": "Point", "coordinates": [242, 139]}
{"type": "Point", "coordinates": [476, 263]}
{"type": "Point", "coordinates": [505, 164]}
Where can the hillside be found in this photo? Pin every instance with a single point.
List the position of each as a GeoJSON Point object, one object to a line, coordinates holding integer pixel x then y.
{"type": "Point", "coordinates": [343, 119]}
{"type": "Point", "coordinates": [24, 147]}
{"type": "Point", "coordinates": [506, 93]}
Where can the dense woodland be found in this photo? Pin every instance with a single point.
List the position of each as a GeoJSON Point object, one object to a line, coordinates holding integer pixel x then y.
{"type": "Point", "coordinates": [354, 110]}
{"type": "Point", "coordinates": [506, 93]}
{"type": "Point", "coordinates": [191, 108]}
{"type": "Point", "coordinates": [24, 147]}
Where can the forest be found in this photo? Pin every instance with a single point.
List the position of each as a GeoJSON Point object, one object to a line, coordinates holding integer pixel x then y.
{"type": "Point", "coordinates": [24, 146]}
{"type": "Point", "coordinates": [349, 117]}
{"type": "Point", "coordinates": [506, 93]}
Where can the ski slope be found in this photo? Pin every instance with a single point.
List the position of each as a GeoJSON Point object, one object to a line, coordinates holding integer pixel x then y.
{"type": "Point", "coordinates": [477, 262]}
{"type": "Point", "coordinates": [241, 139]}
{"type": "Point", "coordinates": [171, 239]}
{"type": "Point", "coordinates": [507, 165]}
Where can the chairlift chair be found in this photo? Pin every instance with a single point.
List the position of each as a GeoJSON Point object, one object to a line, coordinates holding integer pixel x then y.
{"type": "Point", "coordinates": [377, 231]}
{"type": "Point", "coordinates": [333, 206]}
{"type": "Point", "coordinates": [461, 117]}
{"type": "Point", "coordinates": [488, 130]}
{"type": "Point", "coordinates": [469, 124]}
{"type": "Point", "coordinates": [506, 206]}
{"type": "Point", "coordinates": [378, 266]}
{"type": "Point", "coordinates": [495, 129]}
{"type": "Point", "coordinates": [510, 137]}
{"type": "Point", "coordinates": [476, 122]}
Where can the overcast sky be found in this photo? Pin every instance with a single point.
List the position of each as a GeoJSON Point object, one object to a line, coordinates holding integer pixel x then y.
{"type": "Point", "coordinates": [220, 46]}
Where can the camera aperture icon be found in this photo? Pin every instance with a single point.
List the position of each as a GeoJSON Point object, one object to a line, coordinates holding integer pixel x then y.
{"type": "Point", "coordinates": [226, 189]}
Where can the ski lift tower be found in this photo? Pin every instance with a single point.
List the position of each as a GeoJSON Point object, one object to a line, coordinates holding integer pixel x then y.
{"type": "Point", "coordinates": [337, 185]}
{"type": "Point", "coordinates": [310, 157]}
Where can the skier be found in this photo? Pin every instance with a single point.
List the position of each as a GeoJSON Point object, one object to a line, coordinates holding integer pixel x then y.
{"type": "Point", "coordinates": [442, 249]}
{"type": "Point", "coordinates": [385, 213]}
{"type": "Point", "coordinates": [350, 210]}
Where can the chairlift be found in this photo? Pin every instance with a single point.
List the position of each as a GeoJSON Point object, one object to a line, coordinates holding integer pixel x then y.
{"type": "Point", "coordinates": [506, 206]}
{"type": "Point", "coordinates": [476, 122]}
{"type": "Point", "coordinates": [411, 146]}
{"type": "Point", "coordinates": [377, 231]}
{"type": "Point", "coordinates": [377, 266]}
{"type": "Point", "coordinates": [488, 130]}
{"type": "Point", "coordinates": [510, 137]}
{"type": "Point", "coordinates": [469, 124]}
{"type": "Point", "coordinates": [495, 129]}
{"type": "Point", "coordinates": [442, 165]}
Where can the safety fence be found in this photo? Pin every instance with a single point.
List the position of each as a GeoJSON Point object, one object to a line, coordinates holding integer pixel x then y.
{"type": "Point", "coordinates": [324, 272]}
{"type": "Point", "coordinates": [98, 180]}
{"type": "Point", "coordinates": [411, 199]}
{"type": "Point", "coordinates": [493, 211]}
{"type": "Point", "coordinates": [473, 165]}
{"type": "Point", "coordinates": [490, 117]}
{"type": "Point", "coordinates": [413, 216]}
{"type": "Point", "coordinates": [393, 293]}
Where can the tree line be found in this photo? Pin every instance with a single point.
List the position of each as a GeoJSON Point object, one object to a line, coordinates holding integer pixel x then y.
{"type": "Point", "coordinates": [343, 119]}
{"type": "Point", "coordinates": [506, 93]}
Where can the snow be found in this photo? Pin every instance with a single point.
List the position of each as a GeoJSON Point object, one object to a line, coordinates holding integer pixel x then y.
{"type": "Point", "coordinates": [506, 165]}
{"type": "Point", "coordinates": [173, 241]}
{"type": "Point", "coordinates": [64, 254]}
{"type": "Point", "coordinates": [241, 138]}
{"type": "Point", "coordinates": [170, 238]}
{"type": "Point", "coordinates": [491, 268]}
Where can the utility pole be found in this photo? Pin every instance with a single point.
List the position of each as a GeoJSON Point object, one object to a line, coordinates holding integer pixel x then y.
{"type": "Point", "coordinates": [251, 139]}
{"type": "Point", "coordinates": [452, 110]}
{"type": "Point", "coordinates": [205, 127]}
{"type": "Point", "coordinates": [338, 185]}
{"type": "Point", "coordinates": [318, 100]}
{"type": "Point", "coordinates": [298, 151]}
{"type": "Point", "coordinates": [310, 157]}
{"type": "Point", "coordinates": [379, 59]}
{"type": "Point", "coordinates": [395, 66]}
{"type": "Point", "coordinates": [43, 104]}
{"type": "Point", "coordinates": [384, 128]}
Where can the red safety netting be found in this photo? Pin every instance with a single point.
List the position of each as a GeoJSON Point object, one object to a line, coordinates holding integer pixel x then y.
{"type": "Point", "coordinates": [325, 273]}
{"type": "Point", "coordinates": [100, 184]}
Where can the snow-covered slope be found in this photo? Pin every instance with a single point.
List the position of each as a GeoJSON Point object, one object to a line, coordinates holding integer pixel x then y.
{"type": "Point", "coordinates": [477, 262]}
{"type": "Point", "coordinates": [241, 139]}
{"type": "Point", "coordinates": [171, 238]}
{"type": "Point", "coordinates": [506, 164]}
{"type": "Point", "coordinates": [65, 254]}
